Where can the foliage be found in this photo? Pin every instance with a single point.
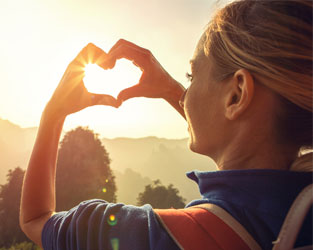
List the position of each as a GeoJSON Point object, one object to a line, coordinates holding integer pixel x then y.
{"type": "Point", "coordinates": [83, 170]}
{"type": "Point", "coordinates": [10, 195]}
{"type": "Point", "coordinates": [83, 173]}
{"type": "Point", "coordinates": [22, 246]}
{"type": "Point", "coordinates": [160, 196]}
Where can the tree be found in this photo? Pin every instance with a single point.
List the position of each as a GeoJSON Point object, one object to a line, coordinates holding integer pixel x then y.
{"type": "Point", "coordinates": [22, 246]}
{"type": "Point", "coordinates": [10, 196]}
{"type": "Point", "coordinates": [83, 170]}
{"type": "Point", "coordinates": [160, 196]}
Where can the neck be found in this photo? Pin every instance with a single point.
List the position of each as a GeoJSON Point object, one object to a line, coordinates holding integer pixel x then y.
{"type": "Point", "coordinates": [255, 154]}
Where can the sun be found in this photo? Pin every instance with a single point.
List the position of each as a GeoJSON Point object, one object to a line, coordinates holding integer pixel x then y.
{"type": "Point", "coordinates": [112, 81]}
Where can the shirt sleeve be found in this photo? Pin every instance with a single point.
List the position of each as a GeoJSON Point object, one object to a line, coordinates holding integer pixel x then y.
{"type": "Point", "coordinates": [97, 224]}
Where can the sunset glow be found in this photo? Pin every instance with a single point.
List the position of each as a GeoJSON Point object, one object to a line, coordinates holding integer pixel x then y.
{"type": "Point", "coordinates": [111, 81]}
{"type": "Point", "coordinates": [40, 39]}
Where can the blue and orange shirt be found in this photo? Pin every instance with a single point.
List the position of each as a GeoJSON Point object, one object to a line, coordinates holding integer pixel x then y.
{"type": "Point", "coordinates": [258, 199]}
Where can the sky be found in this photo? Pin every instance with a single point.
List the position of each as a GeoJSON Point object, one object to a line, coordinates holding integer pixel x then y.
{"type": "Point", "coordinates": [39, 39]}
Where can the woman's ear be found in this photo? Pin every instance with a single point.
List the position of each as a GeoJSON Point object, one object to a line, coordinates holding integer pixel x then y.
{"type": "Point", "coordinates": [240, 94]}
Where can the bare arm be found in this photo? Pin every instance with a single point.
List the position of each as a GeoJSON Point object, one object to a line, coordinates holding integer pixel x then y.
{"type": "Point", "coordinates": [38, 195]}
{"type": "Point", "coordinates": [38, 191]}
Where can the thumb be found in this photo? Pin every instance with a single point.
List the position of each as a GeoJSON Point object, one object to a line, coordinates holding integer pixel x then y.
{"type": "Point", "coordinates": [134, 91]}
{"type": "Point", "coordinates": [107, 63]}
{"type": "Point", "coordinates": [101, 99]}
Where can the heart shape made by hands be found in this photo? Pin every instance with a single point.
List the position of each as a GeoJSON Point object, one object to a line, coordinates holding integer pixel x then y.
{"type": "Point", "coordinates": [99, 81]}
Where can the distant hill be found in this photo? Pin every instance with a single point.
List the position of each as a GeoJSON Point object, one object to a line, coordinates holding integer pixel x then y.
{"type": "Point", "coordinates": [129, 184]}
{"type": "Point", "coordinates": [15, 146]}
{"type": "Point", "coordinates": [135, 162]}
{"type": "Point", "coordinates": [157, 158]}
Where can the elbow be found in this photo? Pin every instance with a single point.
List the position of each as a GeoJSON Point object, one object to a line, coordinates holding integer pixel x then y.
{"type": "Point", "coordinates": [21, 222]}
{"type": "Point", "coordinates": [24, 226]}
{"type": "Point", "coordinates": [34, 227]}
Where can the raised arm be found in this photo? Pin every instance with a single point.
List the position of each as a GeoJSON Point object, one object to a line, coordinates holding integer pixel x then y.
{"type": "Point", "coordinates": [38, 192]}
{"type": "Point", "coordinates": [155, 82]}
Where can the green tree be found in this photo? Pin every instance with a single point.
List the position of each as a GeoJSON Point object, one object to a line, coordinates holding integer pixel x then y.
{"type": "Point", "coordinates": [22, 246]}
{"type": "Point", "coordinates": [10, 196]}
{"type": "Point", "coordinates": [160, 196]}
{"type": "Point", "coordinates": [83, 170]}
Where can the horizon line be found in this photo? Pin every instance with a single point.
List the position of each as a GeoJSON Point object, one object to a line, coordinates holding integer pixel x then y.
{"type": "Point", "coordinates": [104, 137]}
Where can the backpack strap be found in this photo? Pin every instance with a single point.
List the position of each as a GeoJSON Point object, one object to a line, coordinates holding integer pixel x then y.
{"type": "Point", "coordinates": [294, 220]}
{"type": "Point", "coordinates": [203, 226]}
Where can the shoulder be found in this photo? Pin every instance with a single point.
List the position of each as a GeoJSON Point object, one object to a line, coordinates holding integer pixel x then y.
{"type": "Point", "coordinates": [97, 224]}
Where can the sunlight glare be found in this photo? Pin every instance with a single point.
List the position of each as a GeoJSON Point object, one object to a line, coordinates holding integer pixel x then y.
{"type": "Point", "coordinates": [112, 220]}
{"type": "Point", "coordinates": [111, 81]}
{"type": "Point", "coordinates": [115, 243]}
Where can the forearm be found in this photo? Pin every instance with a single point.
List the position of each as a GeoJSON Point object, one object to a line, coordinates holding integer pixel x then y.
{"type": "Point", "coordinates": [174, 96]}
{"type": "Point", "coordinates": [38, 192]}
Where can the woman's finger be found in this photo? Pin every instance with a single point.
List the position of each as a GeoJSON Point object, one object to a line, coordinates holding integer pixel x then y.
{"type": "Point", "coordinates": [125, 42]}
{"type": "Point", "coordinates": [101, 99]}
{"type": "Point", "coordinates": [134, 91]}
{"type": "Point", "coordinates": [124, 49]}
{"type": "Point", "coordinates": [95, 54]}
{"type": "Point", "coordinates": [89, 54]}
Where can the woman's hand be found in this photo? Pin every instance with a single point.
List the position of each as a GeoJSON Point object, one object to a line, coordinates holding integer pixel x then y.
{"type": "Point", "coordinates": [155, 82]}
{"type": "Point", "coordinates": [71, 95]}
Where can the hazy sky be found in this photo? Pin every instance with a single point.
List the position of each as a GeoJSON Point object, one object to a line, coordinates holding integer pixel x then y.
{"type": "Point", "coordinates": [39, 38]}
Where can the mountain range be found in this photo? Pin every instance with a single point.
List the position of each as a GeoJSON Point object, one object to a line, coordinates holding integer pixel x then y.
{"type": "Point", "coordinates": [136, 162]}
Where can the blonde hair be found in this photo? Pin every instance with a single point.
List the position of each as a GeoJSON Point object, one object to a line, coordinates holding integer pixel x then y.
{"type": "Point", "coordinates": [273, 40]}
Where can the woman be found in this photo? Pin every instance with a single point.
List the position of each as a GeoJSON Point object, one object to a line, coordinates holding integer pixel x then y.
{"type": "Point", "coordinates": [249, 107]}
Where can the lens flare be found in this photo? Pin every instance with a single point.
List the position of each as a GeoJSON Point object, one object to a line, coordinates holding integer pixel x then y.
{"type": "Point", "coordinates": [115, 243]}
{"type": "Point", "coordinates": [112, 221]}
